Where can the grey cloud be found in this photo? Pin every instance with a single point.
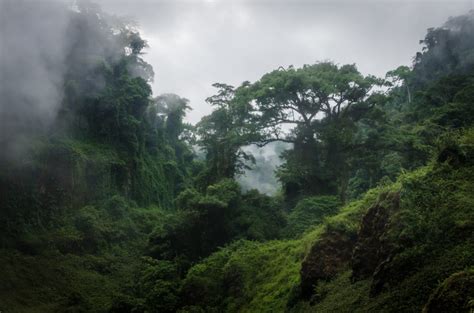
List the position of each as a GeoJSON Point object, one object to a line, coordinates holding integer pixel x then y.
{"type": "Point", "coordinates": [196, 43]}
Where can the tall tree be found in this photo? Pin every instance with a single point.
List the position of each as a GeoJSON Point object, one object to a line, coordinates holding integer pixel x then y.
{"type": "Point", "coordinates": [315, 108]}
{"type": "Point", "coordinates": [300, 97]}
{"type": "Point", "coordinates": [223, 133]}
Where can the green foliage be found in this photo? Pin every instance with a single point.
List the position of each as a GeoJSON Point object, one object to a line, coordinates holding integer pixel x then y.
{"type": "Point", "coordinates": [431, 230]}
{"type": "Point", "coordinates": [247, 276]}
{"type": "Point", "coordinates": [264, 277]}
{"type": "Point", "coordinates": [222, 134]}
{"type": "Point", "coordinates": [206, 221]}
{"type": "Point", "coordinates": [158, 286]}
{"type": "Point", "coordinates": [446, 50]}
{"type": "Point", "coordinates": [83, 265]}
{"type": "Point", "coordinates": [72, 232]}
{"type": "Point", "coordinates": [260, 217]}
{"type": "Point", "coordinates": [432, 234]}
{"type": "Point", "coordinates": [309, 213]}
{"type": "Point", "coordinates": [350, 297]}
{"type": "Point", "coordinates": [455, 294]}
{"type": "Point", "coordinates": [296, 96]}
{"type": "Point", "coordinates": [115, 180]}
{"type": "Point", "coordinates": [318, 163]}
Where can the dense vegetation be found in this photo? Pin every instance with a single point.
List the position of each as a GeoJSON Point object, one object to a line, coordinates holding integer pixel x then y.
{"type": "Point", "coordinates": [110, 209]}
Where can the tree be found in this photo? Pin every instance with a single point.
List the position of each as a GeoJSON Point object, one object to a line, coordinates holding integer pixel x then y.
{"type": "Point", "coordinates": [446, 50]}
{"type": "Point", "coordinates": [223, 133]}
{"type": "Point", "coordinates": [299, 97]}
{"type": "Point", "coordinates": [401, 75]}
{"type": "Point", "coordinates": [168, 112]}
{"type": "Point", "coordinates": [315, 108]}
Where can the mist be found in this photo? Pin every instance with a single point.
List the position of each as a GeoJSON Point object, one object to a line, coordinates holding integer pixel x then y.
{"type": "Point", "coordinates": [261, 175]}
{"type": "Point", "coordinates": [32, 65]}
{"type": "Point", "coordinates": [49, 49]}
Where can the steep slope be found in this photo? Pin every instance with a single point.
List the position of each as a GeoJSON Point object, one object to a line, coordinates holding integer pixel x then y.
{"type": "Point", "coordinates": [404, 238]}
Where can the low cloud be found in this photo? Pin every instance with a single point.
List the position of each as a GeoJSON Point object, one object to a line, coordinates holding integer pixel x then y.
{"type": "Point", "coordinates": [32, 65]}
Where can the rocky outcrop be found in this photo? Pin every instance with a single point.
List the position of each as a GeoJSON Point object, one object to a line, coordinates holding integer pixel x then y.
{"type": "Point", "coordinates": [451, 155]}
{"type": "Point", "coordinates": [372, 248]}
{"type": "Point", "coordinates": [366, 251]}
{"type": "Point", "coordinates": [454, 295]}
{"type": "Point", "coordinates": [327, 257]}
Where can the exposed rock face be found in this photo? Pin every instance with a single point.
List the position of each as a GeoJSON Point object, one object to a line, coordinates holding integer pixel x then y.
{"type": "Point", "coordinates": [327, 257]}
{"type": "Point", "coordinates": [454, 295]}
{"type": "Point", "coordinates": [372, 249]}
{"type": "Point", "coordinates": [368, 252]}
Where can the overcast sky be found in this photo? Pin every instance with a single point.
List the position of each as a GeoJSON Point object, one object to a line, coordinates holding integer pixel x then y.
{"type": "Point", "coordinates": [196, 43]}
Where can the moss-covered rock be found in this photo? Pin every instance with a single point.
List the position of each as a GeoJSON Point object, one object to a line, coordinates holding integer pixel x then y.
{"type": "Point", "coordinates": [454, 295]}
{"type": "Point", "coordinates": [331, 253]}
{"type": "Point", "coordinates": [372, 247]}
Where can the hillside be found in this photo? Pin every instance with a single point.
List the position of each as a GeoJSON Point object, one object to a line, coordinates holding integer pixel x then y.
{"type": "Point", "coordinates": [110, 202]}
{"type": "Point", "coordinates": [405, 246]}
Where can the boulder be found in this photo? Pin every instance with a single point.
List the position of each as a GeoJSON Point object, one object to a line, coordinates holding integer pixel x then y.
{"type": "Point", "coordinates": [326, 258]}
{"type": "Point", "coordinates": [454, 295]}
{"type": "Point", "coordinates": [372, 248]}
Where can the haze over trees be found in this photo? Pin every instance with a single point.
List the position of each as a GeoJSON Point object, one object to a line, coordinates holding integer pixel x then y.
{"type": "Point", "coordinates": [111, 202]}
